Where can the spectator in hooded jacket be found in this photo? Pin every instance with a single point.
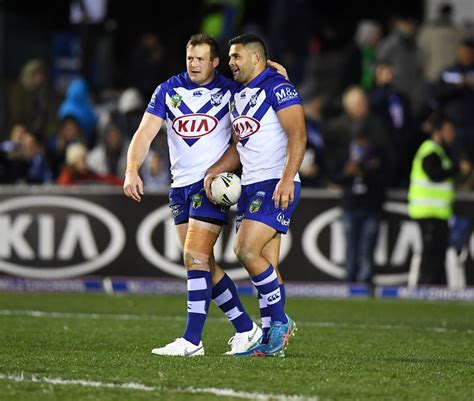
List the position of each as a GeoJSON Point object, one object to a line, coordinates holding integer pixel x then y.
{"type": "Point", "coordinates": [78, 106]}
{"type": "Point", "coordinates": [31, 101]}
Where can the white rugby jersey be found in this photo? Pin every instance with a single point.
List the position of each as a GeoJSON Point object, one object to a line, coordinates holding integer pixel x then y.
{"type": "Point", "coordinates": [198, 123]}
{"type": "Point", "coordinates": [262, 142]}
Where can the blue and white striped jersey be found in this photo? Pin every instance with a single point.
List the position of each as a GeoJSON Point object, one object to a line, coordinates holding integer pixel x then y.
{"type": "Point", "coordinates": [262, 142]}
{"type": "Point", "coordinates": [198, 123]}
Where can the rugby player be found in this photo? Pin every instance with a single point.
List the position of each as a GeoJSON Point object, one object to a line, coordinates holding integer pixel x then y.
{"type": "Point", "coordinates": [195, 106]}
{"type": "Point", "coordinates": [270, 140]}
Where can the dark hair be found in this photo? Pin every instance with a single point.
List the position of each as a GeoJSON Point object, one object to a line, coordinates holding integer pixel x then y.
{"type": "Point", "coordinates": [437, 120]}
{"type": "Point", "coordinates": [247, 39]}
{"type": "Point", "coordinates": [204, 39]}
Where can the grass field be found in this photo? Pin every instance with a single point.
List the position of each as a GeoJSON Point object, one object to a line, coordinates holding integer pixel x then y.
{"type": "Point", "coordinates": [97, 347]}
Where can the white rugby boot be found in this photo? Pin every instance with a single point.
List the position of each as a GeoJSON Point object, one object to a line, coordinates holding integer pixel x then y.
{"type": "Point", "coordinates": [180, 347]}
{"type": "Point", "coordinates": [242, 342]}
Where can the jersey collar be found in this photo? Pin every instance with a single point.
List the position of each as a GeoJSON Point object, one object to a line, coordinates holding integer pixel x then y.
{"type": "Point", "coordinates": [259, 78]}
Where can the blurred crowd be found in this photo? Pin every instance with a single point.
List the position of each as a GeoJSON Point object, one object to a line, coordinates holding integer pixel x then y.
{"type": "Point", "coordinates": [379, 87]}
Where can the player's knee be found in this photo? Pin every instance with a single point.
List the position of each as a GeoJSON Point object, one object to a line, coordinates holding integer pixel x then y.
{"type": "Point", "coordinates": [195, 260]}
{"type": "Point", "coordinates": [244, 252]}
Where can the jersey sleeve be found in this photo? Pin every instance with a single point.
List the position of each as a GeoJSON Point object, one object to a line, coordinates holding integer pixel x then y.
{"type": "Point", "coordinates": [157, 104]}
{"type": "Point", "coordinates": [284, 94]}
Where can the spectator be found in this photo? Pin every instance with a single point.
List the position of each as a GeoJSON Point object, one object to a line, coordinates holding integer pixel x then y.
{"type": "Point", "coordinates": [456, 97]}
{"type": "Point", "coordinates": [364, 181]}
{"type": "Point", "coordinates": [38, 170]}
{"type": "Point", "coordinates": [147, 65]}
{"type": "Point", "coordinates": [437, 42]}
{"type": "Point", "coordinates": [400, 50]}
{"type": "Point", "coordinates": [129, 111]}
{"type": "Point", "coordinates": [12, 165]}
{"type": "Point", "coordinates": [393, 110]}
{"type": "Point", "coordinates": [31, 101]}
{"type": "Point", "coordinates": [339, 132]}
{"type": "Point", "coordinates": [76, 171]}
{"type": "Point", "coordinates": [78, 106]}
{"type": "Point", "coordinates": [69, 132]}
{"type": "Point", "coordinates": [367, 38]}
{"type": "Point", "coordinates": [110, 156]}
{"type": "Point", "coordinates": [313, 166]}
{"type": "Point", "coordinates": [431, 196]}
{"type": "Point", "coordinates": [155, 173]}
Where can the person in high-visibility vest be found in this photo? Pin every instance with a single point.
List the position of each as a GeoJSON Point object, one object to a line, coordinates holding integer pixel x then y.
{"type": "Point", "coordinates": [431, 196]}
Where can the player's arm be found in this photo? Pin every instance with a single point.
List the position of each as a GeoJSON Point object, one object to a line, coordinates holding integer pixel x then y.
{"type": "Point", "coordinates": [229, 161]}
{"type": "Point", "coordinates": [292, 121]}
{"type": "Point", "coordinates": [137, 151]}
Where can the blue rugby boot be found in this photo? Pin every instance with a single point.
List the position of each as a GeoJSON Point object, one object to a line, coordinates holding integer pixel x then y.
{"type": "Point", "coordinates": [279, 336]}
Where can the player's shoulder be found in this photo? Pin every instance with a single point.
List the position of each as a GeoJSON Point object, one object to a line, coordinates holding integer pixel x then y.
{"type": "Point", "coordinates": [177, 81]}
{"type": "Point", "coordinates": [274, 79]}
{"type": "Point", "coordinates": [282, 91]}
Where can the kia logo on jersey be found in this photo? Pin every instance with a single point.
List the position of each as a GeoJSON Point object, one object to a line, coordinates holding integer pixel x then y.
{"type": "Point", "coordinates": [194, 125]}
{"type": "Point", "coordinates": [245, 126]}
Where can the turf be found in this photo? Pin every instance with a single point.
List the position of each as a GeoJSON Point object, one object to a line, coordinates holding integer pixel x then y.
{"type": "Point", "coordinates": [344, 350]}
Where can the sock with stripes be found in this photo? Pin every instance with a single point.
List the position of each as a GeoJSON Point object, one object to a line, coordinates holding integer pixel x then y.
{"type": "Point", "coordinates": [224, 294]}
{"type": "Point", "coordinates": [265, 315]}
{"type": "Point", "coordinates": [199, 298]}
{"type": "Point", "coordinates": [268, 287]}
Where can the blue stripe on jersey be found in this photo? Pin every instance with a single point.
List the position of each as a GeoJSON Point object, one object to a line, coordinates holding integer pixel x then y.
{"type": "Point", "coordinates": [204, 109]}
{"type": "Point", "coordinates": [247, 108]}
{"type": "Point", "coordinates": [262, 110]}
{"type": "Point", "coordinates": [171, 116]}
{"type": "Point", "coordinates": [223, 112]}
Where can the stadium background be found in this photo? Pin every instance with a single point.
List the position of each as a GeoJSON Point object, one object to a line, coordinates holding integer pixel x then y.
{"type": "Point", "coordinates": [90, 282]}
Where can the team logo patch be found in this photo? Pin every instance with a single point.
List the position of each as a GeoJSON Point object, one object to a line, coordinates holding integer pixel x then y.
{"type": "Point", "coordinates": [216, 99]}
{"type": "Point", "coordinates": [253, 100]}
{"type": "Point", "coordinates": [197, 201]}
{"type": "Point", "coordinates": [176, 100]}
{"type": "Point", "coordinates": [255, 205]}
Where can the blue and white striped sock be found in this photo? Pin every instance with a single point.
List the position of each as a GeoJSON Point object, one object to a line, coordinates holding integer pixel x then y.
{"type": "Point", "coordinates": [268, 287]}
{"type": "Point", "coordinates": [199, 298]}
{"type": "Point", "coordinates": [265, 318]}
{"type": "Point", "coordinates": [265, 314]}
{"type": "Point", "coordinates": [224, 294]}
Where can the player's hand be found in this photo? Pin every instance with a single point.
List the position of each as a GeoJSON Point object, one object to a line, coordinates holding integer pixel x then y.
{"type": "Point", "coordinates": [208, 178]}
{"type": "Point", "coordinates": [133, 186]}
{"type": "Point", "coordinates": [278, 68]}
{"type": "Point", "coordinates": [284, 193]}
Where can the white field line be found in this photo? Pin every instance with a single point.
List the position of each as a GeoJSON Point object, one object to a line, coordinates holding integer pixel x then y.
{"type": "Point", "coordinates": [220, 392]}
{"type": "Point", "coordinates": [338, 325]}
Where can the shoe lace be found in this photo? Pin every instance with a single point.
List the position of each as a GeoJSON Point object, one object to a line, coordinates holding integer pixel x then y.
{"type": "Point", "coordinates": [235, 341]}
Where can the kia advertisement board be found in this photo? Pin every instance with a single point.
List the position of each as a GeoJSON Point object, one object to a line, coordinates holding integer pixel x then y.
{"type": "Point", "coordinates": [53, 233]}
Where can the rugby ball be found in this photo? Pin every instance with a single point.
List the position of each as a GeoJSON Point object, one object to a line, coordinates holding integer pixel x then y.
{"type": "Point", "coordinates": [225, 189]}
